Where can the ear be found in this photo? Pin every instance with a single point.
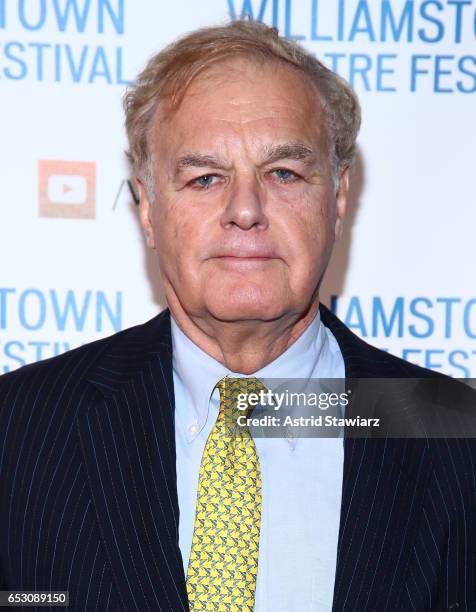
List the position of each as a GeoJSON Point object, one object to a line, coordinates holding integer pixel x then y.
{"type": "Point", "coordinates": [341, 202]}
{"type": "Point", "coordinates": [145, 213]}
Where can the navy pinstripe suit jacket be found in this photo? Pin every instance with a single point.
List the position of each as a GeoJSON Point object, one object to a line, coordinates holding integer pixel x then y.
{"type": "Point", "coordinates": [88, 498]}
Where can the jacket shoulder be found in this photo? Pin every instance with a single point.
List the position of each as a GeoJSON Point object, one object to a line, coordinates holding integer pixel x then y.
{"type": "Point", "coordinates": [47, 369]}
{"type": "Point", "coordinates": [73, 366]}
{"type": "Point", "coordinates": [363, 360]}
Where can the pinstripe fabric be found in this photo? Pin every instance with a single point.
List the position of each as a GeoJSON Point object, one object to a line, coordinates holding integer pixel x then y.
{"type": "Point", "coordinates": [407, 537]}
{"type": "Point", "coordinates": [88, 499]}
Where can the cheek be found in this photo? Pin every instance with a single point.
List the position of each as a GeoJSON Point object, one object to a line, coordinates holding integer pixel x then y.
{"type": "Point", "coordinates": [308, 229]}
{"type": "Point", "coordinates": [170, 224]}
{"type": "Point", "coordinates": [178, 239]}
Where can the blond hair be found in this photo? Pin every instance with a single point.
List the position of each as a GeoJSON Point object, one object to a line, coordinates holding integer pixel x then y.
{"type": "Point", "coordinates": [168, 74]}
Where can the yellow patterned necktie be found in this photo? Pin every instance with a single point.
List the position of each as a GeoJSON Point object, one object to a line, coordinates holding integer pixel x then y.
{"type": "Point", "coordinates": [223, 563]}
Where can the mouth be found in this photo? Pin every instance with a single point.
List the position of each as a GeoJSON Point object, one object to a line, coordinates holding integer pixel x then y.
{"type": "Point", "coordinates": [244, 263]}
{"type": "Point", "coordinates": [236, 258]}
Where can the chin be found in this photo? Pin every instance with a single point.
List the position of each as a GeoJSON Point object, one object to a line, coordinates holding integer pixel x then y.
{"type": "Point", "coordinates": [230, 299]}
{"type": "Point", "coordinates": [242, 310]}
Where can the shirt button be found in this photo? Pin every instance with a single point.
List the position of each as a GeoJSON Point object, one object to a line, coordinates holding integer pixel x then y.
{"type": "Point", "coordinates": [193, 428]}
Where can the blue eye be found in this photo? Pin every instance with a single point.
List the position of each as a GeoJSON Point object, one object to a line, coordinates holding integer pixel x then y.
{"type": "Point", "coordinates": [285, 176]}
{"type": "Point", "coordinates": [204, 181]}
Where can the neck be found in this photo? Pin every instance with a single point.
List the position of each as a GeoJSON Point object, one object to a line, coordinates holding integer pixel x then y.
{"type": "Point", "coordinates": [243, 346]}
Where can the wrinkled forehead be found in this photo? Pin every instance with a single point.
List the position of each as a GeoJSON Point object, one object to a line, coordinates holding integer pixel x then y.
{"type": "Point", "coordinates": [243, 92]}
{"type": "Point", "coordinates": [229, 69]}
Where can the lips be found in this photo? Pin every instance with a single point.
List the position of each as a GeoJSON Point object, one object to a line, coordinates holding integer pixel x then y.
{"type": "Point", "coordinates": [244, 264]}
{"type": "Point", "coordinates": [245, 257]}
{"type": "Point", "coordinates": [245, 253]}
{"type": "Point", "coordinates": [236, 251]}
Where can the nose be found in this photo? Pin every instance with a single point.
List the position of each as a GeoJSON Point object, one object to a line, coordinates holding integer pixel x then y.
{"type": "Point", "coordinates": [245, 205]}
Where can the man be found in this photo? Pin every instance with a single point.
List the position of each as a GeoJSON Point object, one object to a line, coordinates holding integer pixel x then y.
{"type": "Point", "coordinates": [241, 144]}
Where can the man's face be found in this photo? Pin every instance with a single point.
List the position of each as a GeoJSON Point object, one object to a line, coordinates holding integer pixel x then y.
{"type": "Point", "coordinates": [245, 213]}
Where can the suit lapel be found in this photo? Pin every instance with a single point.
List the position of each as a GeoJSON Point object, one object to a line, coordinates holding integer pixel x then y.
{"type": "Point", "coordinates": [383, 490]}
{"type": "Point", "coordinates": [128, 443]}
{"type": "Point", "coordinates": [127, 439]}
{"type": "Point", "coordinates": [384, 484]}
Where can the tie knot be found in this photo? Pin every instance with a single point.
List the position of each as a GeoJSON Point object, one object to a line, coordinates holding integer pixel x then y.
{"type": "Point", "coordinates": [239, 396]}
{"type": "Point", "coordinates": [234, 385]}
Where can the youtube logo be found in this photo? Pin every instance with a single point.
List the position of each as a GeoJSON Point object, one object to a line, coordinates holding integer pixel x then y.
{"type": "Point", "coordinates": [67, 189]}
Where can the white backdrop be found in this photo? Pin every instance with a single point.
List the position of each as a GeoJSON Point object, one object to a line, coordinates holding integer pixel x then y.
{"type": "Point", "coordinates": [74, 267]}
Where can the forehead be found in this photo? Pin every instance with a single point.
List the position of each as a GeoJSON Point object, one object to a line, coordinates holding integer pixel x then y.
{"type": "Point", "coordinates": [243, 99]}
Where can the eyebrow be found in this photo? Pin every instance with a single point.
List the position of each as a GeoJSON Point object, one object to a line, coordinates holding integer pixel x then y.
{"type": "Point", "coordinates": [199, 160]}
{"type": "Point", "coordinates": [291, 150]}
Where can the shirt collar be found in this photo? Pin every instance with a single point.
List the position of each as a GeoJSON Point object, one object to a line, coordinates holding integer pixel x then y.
{"type": "Point", "coordinates": [199, 373]}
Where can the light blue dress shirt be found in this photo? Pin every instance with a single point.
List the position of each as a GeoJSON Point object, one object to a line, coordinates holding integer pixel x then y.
{"type": "Point", "coordinates": [301, 477]}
